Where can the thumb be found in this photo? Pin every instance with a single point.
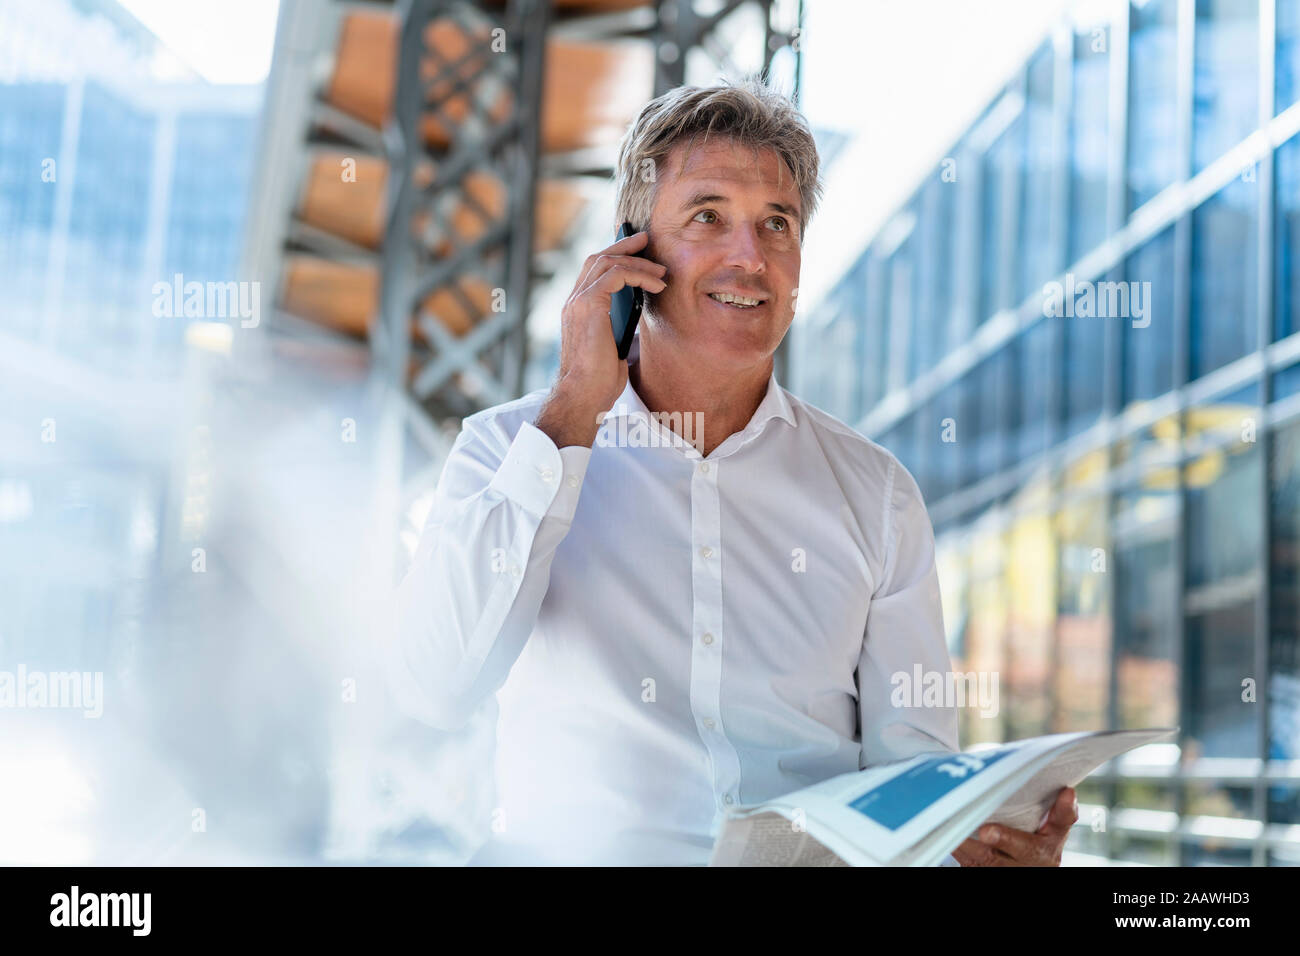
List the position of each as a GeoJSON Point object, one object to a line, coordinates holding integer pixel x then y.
{"type": "Point", "coordinates": [1064, 812]}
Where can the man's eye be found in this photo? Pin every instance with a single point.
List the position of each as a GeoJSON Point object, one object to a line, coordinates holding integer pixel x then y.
{"type": "Point", "coordinates": [783, 225]}
{"type": "Point", "coordinates": [713, 216]}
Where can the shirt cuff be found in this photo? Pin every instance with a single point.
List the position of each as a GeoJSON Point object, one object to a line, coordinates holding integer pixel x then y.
{"type": "Point", "coordinates": [949, 860]}
{"type": "Point", "coordinates": [575, 459]}
{"type": "Point", "coordinates": [540, 478]}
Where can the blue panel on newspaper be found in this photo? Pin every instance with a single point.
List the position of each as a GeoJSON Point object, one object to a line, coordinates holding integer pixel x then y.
{"type": "Point", "coordinates": [895, 802]}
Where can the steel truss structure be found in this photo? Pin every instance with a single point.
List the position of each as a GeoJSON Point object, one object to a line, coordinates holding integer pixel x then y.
{"type": "Point", "coordinates": [452, 376]}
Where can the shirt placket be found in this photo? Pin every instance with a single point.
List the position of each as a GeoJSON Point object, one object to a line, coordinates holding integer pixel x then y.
{"type": "Point", "coordinates": [709, 635]}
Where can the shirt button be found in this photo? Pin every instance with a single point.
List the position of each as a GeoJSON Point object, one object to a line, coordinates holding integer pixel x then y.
{"type": "Point", "coordinates": [515, 570]}
{"type": "Point", "coordinates": [728, 800]}
{"type": "Point", "coordinates": [707, 638]}
{"type": "Point", "coordinates": [548, 476]}
{"type": "Point", "coordinates": [708, 723]}
{"type": "Point", "coordinates": [706, 551]}
{"type": "Point", "coordinates": [573, 481]}
{"type": "Point", "coordinates": [704, 467]}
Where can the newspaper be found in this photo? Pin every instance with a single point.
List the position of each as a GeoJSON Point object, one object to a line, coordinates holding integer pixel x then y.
{"type": "Point", "coordinates": [916, 811]}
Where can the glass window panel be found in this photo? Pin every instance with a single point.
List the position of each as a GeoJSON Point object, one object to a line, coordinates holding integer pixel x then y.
{"type": "Point", "coordinates": [1215, 853]}
{"type": "Point", "coordinates": [1089, 139]}
{"type": "Point", "coordinates": [923, 464]}
{"type": "Point", "coordinates": [108, 230]}
{"type": "Point", "coordinates": [934, 294]}
{"type": "Point", "coordinates": [1090, 835]}
{"type": "Point", "coordinates": [1284, 596]}
{"type": "Point", "coordinates": [1152, 99]}
{"type": "Point", "coordinates": [813, 367]}
{"type": "Point", "coordinates": [1032, 351]}
{"type": "Point", "coordinates": [875, 345]}
{"type": "Point", "coordinates": [840, 342]}
{"type": "Point", "coordinates": [1092, 790]}
{"type": "Point", "coordinates": [902, 310]}
{"type": "Point", "coordinates": [1224, 250]}
{"type": "Point", "coordinates": [1085, 346]}
{"type": "Point", "coordinates": [1231, 418]}
{"type": "Point", "coordinates": [1038, 261]}
{"type": "Point", "coordinates": [31, 122]}
{"type": "Point", "coordinates": [1031, 615]}
{"type": "Point", "coordinates": [951, 564]}
{"type": "Point", "coordinates": [1083, 838]}
{"type": "Point", "coordinates": [986, 633]}
{"type": "Point", "coordinates": [1286, 255]}
{"type": "Point", "coordinates": [1157, 444]}
{"type": "Point", "coordinates": [1145, 850]}
{"type": "Point", "coordinates": [1286, 382]}
{"type": "Point", "coordinates": [1144, 795]}
{"type": "Point", "coordinates": [1210, 799]}
{"type": "Point", "coordinates": [953, 427]}
{"type": "Point", "coordinates": [1146, 605]}
{"type": "Point", "coordinates": [991, 380]}
{"type": "Point", "coordinates": [1226, 88]}
{"type": "Point", "coordinates": [1148, 340]}
{"type": "Point", "coordinates": [1284, 807]}
{"type": "Point", "coordinates": [1004, 154]}
{"type": "Point", "coordinates": [1083, 626]}
{"type": "Point", "coordinates": [205, 175]}
{"type": "Point", "coordinates": [1223, 517]}
{"type": "Point", "coordinates": [921, 343]}
{"type": "Point", "coordinates": [1220, 652]}
{"type": "Point", "coordinates": [1287, 70]}
{"type": "Point", "coordinates": [859, 308]}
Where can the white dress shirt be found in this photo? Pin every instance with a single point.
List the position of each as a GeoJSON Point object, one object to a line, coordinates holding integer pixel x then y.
{"type": "Point", "coordinates": [671, 636]}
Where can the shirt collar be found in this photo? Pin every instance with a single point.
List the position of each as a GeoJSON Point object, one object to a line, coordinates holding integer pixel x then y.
{"type": "Point", "coordinates": [775, 404]}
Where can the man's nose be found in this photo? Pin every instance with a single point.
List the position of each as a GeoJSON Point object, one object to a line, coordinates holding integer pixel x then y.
{"type": "Point", "coordinates": [744, 250]}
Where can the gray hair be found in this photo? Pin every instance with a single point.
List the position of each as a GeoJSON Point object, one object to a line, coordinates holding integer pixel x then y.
{"type": "Point", "coordinates": [749, 112]}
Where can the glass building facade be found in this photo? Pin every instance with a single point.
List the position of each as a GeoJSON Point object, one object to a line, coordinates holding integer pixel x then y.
{"type": "Point", "coordinates": [117, 171]}
{"type": "Point", "coordinates": [1081, 334]}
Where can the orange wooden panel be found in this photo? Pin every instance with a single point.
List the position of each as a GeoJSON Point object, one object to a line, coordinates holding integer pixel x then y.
{"type": "Point", "coordinates": [363, 81]}
{"type": "Point", "coordinates": [351, 208]}
{"type": "Point", "coordinates": [354, 210]}
{"type": "Point", "coordinates": [339, 296]}
{"type": "Point", "coordinates": [591, 91]}
{"type": "Point", "coordinates": [558, 206]}
{"type": "Point", "coordinates": [344, 297]}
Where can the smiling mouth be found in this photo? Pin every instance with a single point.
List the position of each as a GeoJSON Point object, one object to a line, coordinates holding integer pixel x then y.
{"type": "Point", "coordinates": [736, 301]}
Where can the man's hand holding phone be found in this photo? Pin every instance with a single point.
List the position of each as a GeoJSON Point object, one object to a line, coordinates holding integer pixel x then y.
{"type": "Point", "coordinates": [592, 376]}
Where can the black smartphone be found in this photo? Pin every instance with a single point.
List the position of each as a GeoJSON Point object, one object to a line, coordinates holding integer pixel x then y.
{"type": "Point", "coordinates": [625, 305]}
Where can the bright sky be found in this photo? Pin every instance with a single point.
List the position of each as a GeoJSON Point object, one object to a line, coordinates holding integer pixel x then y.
{"type": "Point", "coordinates": [907, 77]}
{"type": "Point", "coordinates": [225, 41]}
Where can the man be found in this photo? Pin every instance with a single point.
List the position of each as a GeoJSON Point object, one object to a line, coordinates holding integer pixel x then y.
{"type": "Point", "coordinates": [680, 627]}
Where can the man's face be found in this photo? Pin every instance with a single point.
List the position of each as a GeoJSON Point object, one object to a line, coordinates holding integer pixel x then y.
{"type": "Point", "coordinates": [725, 222]}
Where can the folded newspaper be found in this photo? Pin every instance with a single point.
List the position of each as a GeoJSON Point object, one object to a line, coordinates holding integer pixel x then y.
{"type": "Point", "coordinates": [917, 811]}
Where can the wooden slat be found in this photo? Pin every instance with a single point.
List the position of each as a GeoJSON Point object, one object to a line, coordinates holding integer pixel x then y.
{"type": "Point", "coordinates": [344, 297]}
{"type": "Point", "coordinates": [354, 210]}
{"type": "Point", "coordinates": [351, 209]}
{"type": "Point", "coordinates": [591, 91]}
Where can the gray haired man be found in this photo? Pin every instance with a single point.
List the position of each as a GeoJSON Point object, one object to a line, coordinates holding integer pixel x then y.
{"type": "Point", "coordinates": [675, 625]}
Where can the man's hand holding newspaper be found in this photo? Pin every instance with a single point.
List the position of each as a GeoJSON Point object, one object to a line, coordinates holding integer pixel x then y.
{"type": "Point", "coordinates": [997, 845]}
{"type": "Point", "coordinates": [1008, 804]}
